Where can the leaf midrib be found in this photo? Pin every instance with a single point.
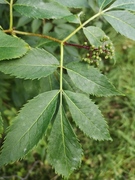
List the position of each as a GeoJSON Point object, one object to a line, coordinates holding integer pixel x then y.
{"type": "Point", "coordinates": [86, 78]}
{"type": "Point", "coordinates": [82, 112]}
{"type": "Point", "coordinates": [102, 4]}
{"type": "Point", "coordinates": [53, 65]}
{"type": "Point", "coordinates": [37, 118]}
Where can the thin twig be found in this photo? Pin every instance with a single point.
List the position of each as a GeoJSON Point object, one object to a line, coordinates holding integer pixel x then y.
{"type": "Point", "coordinates": [31, 169]}
{"type": "Point", "coordinates": [21, 178]}
{"type": "Point", "coordinates": [77, 45]}
{"type": "Point", "coordinates": [32, 34]}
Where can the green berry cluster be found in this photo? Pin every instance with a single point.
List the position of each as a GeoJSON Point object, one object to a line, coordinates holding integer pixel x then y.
{"type": "Point", "coordinates": [96, 54]}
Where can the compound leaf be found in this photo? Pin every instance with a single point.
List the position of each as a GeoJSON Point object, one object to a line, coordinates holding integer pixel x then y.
{"type": "Point", "coordinates": [90, 80]}
{"type": "Point", "coordinates": [11, 47]}
{"type": "Point", "coordinates": [122, 21]}
{"type": "Point", "coordinates": [124, 4]}
{"type": "Point", "coordinates": [73, 4]}
{"type": "Point", "coordinates": [35, 64]}
{"type": "Point", "coordinates": [64, 151]}
{"type": "Point", "coordinates": [29, 127]}
{"type": "Point", "coordinates": [87, 116]}
{"type": "Point", "coordinates": [40, 9]}
{"type": "Point", "coordinates": [103, 3]}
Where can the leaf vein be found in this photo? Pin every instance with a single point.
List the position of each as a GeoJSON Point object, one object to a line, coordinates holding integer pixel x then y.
{"type": "Point", "coordinates": [114, 17]}
{"type": "Point", "coordinates": [81, 111]}
{"type": "Point", "coordinates": [37, 118]}
{"type": "Point", "coordinates": [100, 85]}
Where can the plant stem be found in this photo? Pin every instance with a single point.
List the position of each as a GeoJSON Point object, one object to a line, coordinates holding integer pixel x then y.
{"type": "Point", "coordinates": [11, 15]}
{"type": "Point", "coordinates": [61, 86]}
{"type": "Point", "coordinates": [61, 67]}
{"type": "Point", "coordinates": [33, 34]}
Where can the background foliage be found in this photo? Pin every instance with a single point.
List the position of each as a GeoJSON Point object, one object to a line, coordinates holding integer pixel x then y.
{"type": "Point", "coordinates": [101, 160]}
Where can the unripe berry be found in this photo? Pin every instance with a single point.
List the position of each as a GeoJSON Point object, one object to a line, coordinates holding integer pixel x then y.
{"type": "Point", "coordinates": [106, 38]}
{"type": "Point", "coordinates": [100, 47]}
{"type": "Point", "coordinates": [106, 57]}
{"type": "Point", "coordinates": [88, 61]}
{"type": "Point", "coordinates": [85, 43]}
{"type": "Point", "coordinates": [97, 57]}
{"type": "Point", "coordinates": [110, 44]}
{"type": "Point", "coordinates": [93, 47]}
{"type": "Point", "coordinates": [97, 63]}
{"type": "Point", "coordinates": [101, 51]}
{"type": "Point", "coordinates": [93, 56]}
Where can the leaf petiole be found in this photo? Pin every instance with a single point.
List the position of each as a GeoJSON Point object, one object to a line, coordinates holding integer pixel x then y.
{"type": "Point", "coordinates": [32, 34]}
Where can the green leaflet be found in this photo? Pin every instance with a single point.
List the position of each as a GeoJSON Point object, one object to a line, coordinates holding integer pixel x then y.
{"type": "Point", "coordinates": [22, 21]}
{"type": "Point", "coordinates": [11, 47]}
{"type": "Point", "coordinates": [123, 22]}
{"type": "Point", "coordinates": [29, 126]}
{"type": "Point", "coordinates": [103, 3]}
{"type": "Point", "coordinates": [40, 9]}
{"type": "Point", "coordinates": [123, 4]}
{"type": "Point", "coordinates": [64, 151]}
{"type": "Point", "coordinates": [1, 125]}
{"type": "Point", "coordinates": [35, 64]}
{"type": "Point", "coordinates": [94, 35]}
{"type": "Point", "coordinates": [73, 4]}
{"type": "Point", "coordinates": [87, 116]}
{"type": "Point", "coordinates": [90, 80]}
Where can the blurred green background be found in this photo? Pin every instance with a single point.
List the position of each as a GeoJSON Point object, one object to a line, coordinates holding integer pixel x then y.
{"type": "Point", "coordinates": [101, 160]}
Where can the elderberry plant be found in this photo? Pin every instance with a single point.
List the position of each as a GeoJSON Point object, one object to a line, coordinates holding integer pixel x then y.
{"type": "Point", "coordinates": [70, 84]}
